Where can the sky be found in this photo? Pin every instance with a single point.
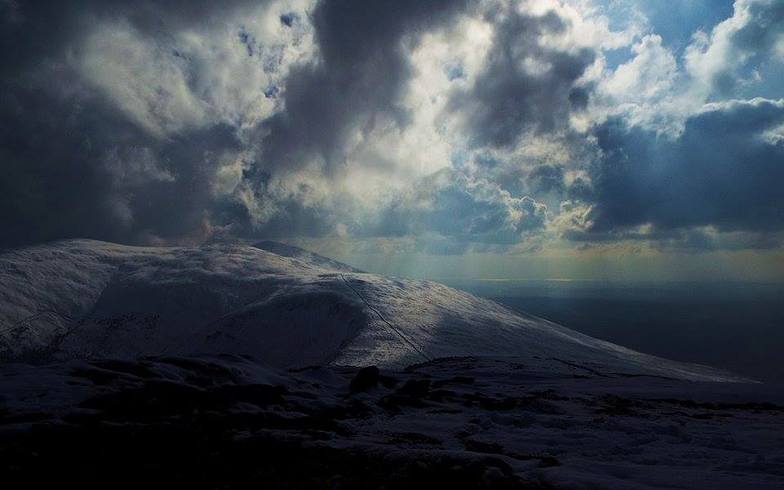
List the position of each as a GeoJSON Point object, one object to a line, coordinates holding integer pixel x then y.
{"type": "Point", "coordinates": [545, 139]}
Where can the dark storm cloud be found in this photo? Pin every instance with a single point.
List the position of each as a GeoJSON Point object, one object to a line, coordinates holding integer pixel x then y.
{"type": "Point", "coordinates": [51, 183]}
{"type": "Point", "coordinates": [722, 171]}
{"type": "Point", "coordinates": [35, 31]}
{"type": "Point", "coordinates": [525, 85]}
{"type": "Point", "coordinates": [73, 165]}
{"type": "Point", "coordinates": [360, 76]}
{"type": "Point", "coordinates": [58, 179]}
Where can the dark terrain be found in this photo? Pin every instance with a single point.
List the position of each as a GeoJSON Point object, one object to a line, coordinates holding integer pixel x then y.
{"type": "Point", "coordinates": [229, 422]}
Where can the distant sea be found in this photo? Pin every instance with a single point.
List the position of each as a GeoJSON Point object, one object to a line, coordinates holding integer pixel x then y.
{"type": "Point", "coordinates": [736, 326]}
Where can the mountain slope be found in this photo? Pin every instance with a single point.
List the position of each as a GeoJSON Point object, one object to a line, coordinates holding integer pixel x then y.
{"type": "Point", "coordinates": [283, 305]}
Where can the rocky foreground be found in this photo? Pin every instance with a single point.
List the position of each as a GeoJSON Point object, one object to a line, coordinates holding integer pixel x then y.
{"type": "Point", "coordinates": [229, 422]}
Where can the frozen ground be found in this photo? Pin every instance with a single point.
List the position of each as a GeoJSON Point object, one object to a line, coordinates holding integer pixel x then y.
{"type": "Point", "coordinates": [229, 422]}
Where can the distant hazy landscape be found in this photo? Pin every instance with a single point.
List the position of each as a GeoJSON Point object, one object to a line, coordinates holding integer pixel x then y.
{"type": "Point", "coordinates": [738, 326]}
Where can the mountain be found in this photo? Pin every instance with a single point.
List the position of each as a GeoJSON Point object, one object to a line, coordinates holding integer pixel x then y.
{"type": "Point", "coordinates": [85, 299]}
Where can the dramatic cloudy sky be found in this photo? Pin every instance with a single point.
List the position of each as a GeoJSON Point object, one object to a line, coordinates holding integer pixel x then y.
{"type": "Point", "coordinates": [532, 138]}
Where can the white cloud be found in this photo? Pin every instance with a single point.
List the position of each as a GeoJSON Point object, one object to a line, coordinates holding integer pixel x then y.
{"type": "Point", "coordinates": [218, 73]}
{"type": "Point", "coordinates": [142, 78]}
{"type": "Point", "coordinates": [716, 61]}
{"type": "Point", "coordinates": [646, 77]}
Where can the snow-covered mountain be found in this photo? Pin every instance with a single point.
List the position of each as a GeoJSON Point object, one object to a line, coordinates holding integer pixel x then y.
{"type": "Point", "coordinates": [280, 304]}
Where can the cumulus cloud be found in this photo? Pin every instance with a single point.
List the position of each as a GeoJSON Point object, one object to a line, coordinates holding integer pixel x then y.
{"type": "Point", "coordinates": [642, 87]}
{"type": "Point", "coordinates": [722, 59]}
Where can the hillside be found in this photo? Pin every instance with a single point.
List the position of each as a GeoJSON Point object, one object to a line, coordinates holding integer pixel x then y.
{"type": "Point", "coordinates": [83, 299]}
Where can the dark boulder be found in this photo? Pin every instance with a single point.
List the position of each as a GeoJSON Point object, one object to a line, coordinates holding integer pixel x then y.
{"type": "Point", "coordinates": [365, 379]}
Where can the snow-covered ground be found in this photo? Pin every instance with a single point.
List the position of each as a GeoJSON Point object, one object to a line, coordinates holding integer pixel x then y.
{"type": "Point", "coordinates": [83, 299]}
{"type": "Point", "coordinates": [230, 422]}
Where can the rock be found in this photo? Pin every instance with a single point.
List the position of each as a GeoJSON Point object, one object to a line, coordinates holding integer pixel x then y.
{"type": "Point", "coordinates": [415, 387]}
{"type": "Point", "coordinates": [365, 379]}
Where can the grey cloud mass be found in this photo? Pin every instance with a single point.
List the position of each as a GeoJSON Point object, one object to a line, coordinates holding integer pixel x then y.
{"type": "Point", "coordinates": [72, 164]}
{"type": "Point", "coordinates": [359, 77]}
{"type": "Point", "coordinates": [721, 171]}
{"type": "Point", "coordinates": [525, 85]}
{"type": "Point", "coordinates": [457, 125]}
